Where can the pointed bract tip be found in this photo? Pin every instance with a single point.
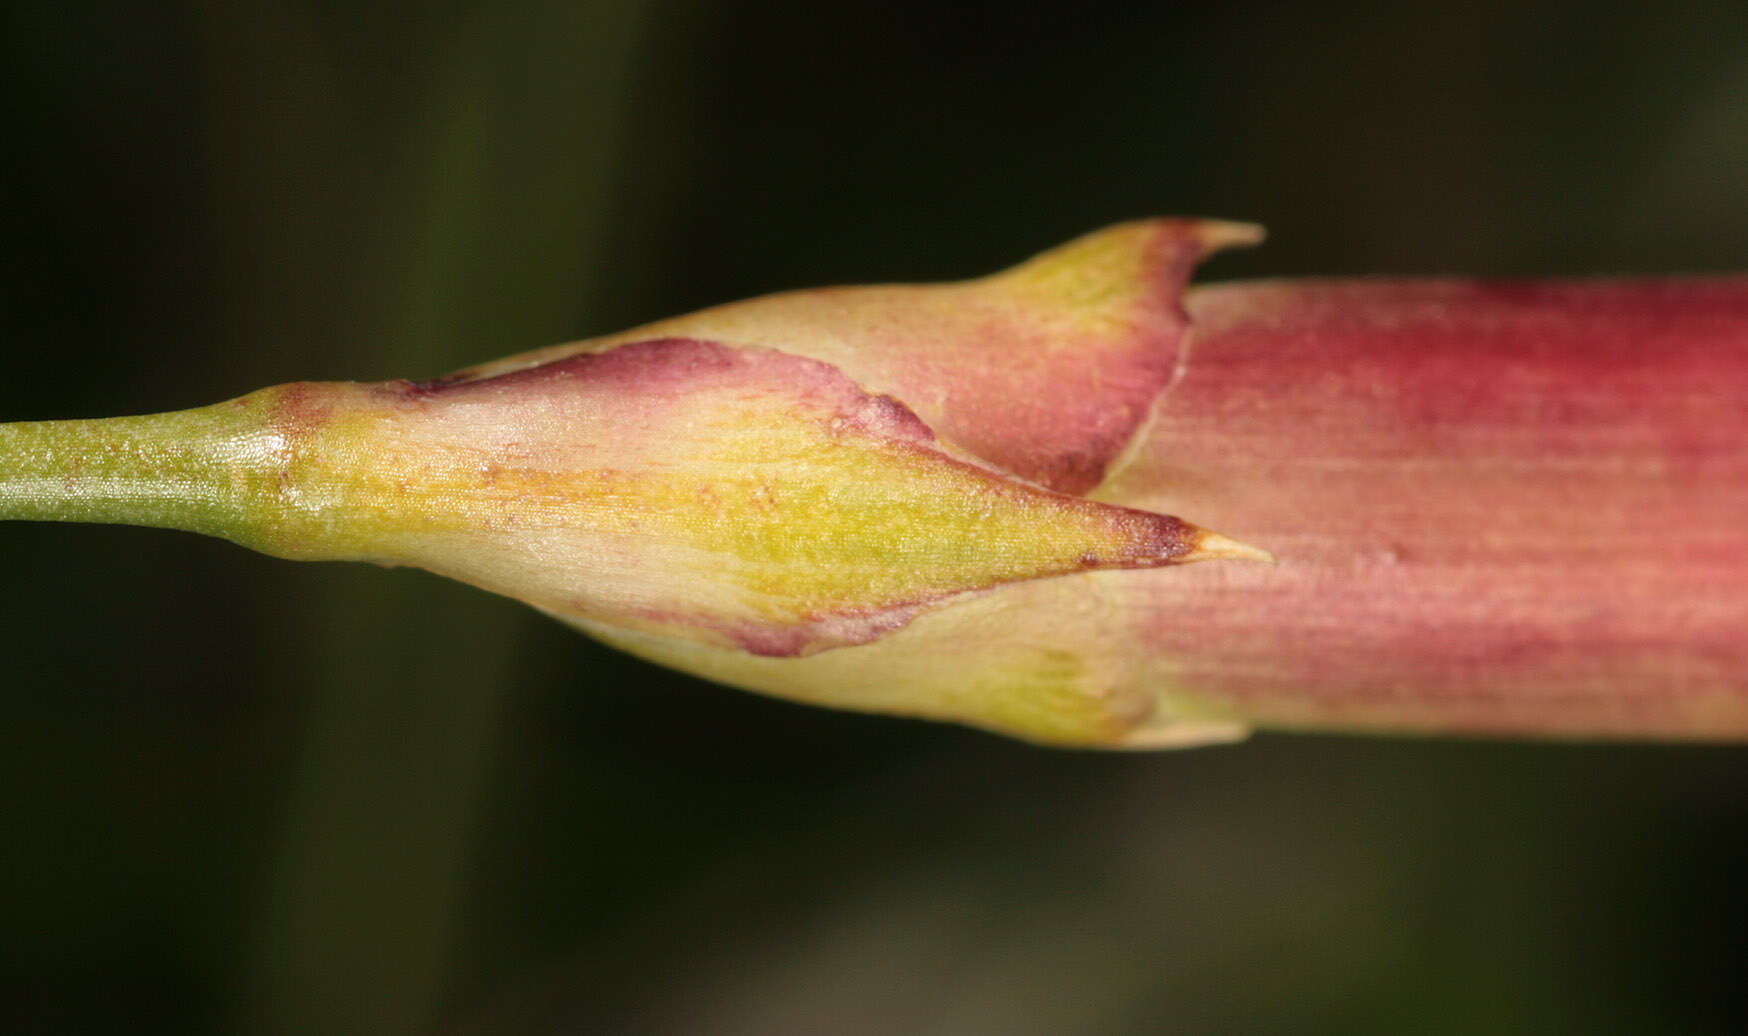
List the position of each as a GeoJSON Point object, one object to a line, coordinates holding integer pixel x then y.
{"type": "Point", "coordinates": [1212, 546]}
{"type": "Point", "coordinates": [1180, 733]}
{"type": "Point", "coordinates": [1220, 234]}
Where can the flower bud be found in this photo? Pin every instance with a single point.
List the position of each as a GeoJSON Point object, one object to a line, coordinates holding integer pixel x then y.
{"type": "Point", "coordinates": [1497, 507]}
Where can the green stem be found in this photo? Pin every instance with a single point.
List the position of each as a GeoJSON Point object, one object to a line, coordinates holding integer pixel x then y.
{"type": "Point", "coordinates": [208, 470]}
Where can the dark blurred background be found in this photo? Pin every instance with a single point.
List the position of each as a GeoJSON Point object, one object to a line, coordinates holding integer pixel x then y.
{"type": "Point", "coordinates": [241, 795]}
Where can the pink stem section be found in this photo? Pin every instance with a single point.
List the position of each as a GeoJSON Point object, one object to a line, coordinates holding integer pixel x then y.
{"type": "Point", "coordinates": [1499, 508]}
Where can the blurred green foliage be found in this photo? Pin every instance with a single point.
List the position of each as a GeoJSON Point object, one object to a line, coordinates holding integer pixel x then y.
{"type": "Point", "coordinates": [245, 796]}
